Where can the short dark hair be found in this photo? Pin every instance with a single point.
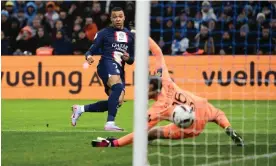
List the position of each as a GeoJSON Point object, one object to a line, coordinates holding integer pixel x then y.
{"type": "Point", "coordinates": [116, 9]}
{"type": "Point", "coordinates": [156, 82]}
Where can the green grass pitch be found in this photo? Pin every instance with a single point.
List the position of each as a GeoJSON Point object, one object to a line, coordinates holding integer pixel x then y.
{"type": "Point", "coordinates": [27, 140]}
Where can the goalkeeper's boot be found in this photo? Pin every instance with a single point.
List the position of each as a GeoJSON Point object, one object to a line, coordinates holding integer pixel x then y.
{"type": "Point", "coordinates": [104, 142]}
{"type": "Point", "coordinates": [110, 126]}
{"type": "Point", "coordinates": [76, 113]}
{"type": "Point", "coordinates": [234, 136]}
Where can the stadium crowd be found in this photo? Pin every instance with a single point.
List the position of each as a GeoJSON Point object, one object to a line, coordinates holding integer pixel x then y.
{"type": "Point", "coordinates": [179, 27]}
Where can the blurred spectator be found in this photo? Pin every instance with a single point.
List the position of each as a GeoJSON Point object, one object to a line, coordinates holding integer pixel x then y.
{"type": "Point", "coordinates": [246, 16]}
{"type": "Point", "coordinates": [40, 16]}
{"type": "Point", "coordinates": [207, 11]}
{"type": "Point", "coordinates": [267, 10]}
{"type": "Point", "coordinates": [79, 20]}
{"type": "Point", "coordinates": [51, 15]}
{"type": "Point", "coordinates": [169, 11]}
{"type": "Point", "coordinates": [168, 36]}
{"type": "Point", "coordinates": [5, 22]}
{"type": "Point", "coordinates": [10, 7]}
{"type": "Point", "coordinates": [40, 6]}
{"type": "Point", "coordinates": [104, 21]}
{"type": "Point", "coordinates": [187, 7]}
{"type": "Point", "coordinates": [58, 27]}
{"type": "Point", "coordinates": [225, 46]}
{"type": "Point", "coordinates": [179, 45]}
{"type": "Point", "coordinates": [42, 39]}
{"type": "Point", "coordinates": [19, 5]}
{"type": "Point", "coordinates": [155, 9]}
{"type": "Point", "coordinates": [90, 28]}
{"type": "Point", "coordinates": [26, 41]}
{"type": "Point", "coordinates": [224, 17]}
{"type": "Point", "coordinates": [21, 18]}
{"type": "Point", "coordinates": [214, 31]}
{"type": "Point", "coordinates": [30, 12]}
{"type": "Point", "coordinates": [245, 43]}
{"type": "Point", "coordinates": [96, 13]}
{"type": "Point", "coordinates": [62, 46]}
{"type": "Point", "coordinates": [64, 5]}
{"type": "Point", "coordinates": [5, 44]}
{"type": "Point", "coordinates": [273, 28]}
{"type": "Point", "coordinates": [211, 25]}
{"type": "Point", "coordinates": [260, 21]}
{"type": "Point", "coordinates": [36, 24]}
{"type": "Point", "coordinates": [156, 25]}
{"type": "Point", "coordinates": [204, 41]}
{"type": "Point", "coordinates": [130, 15]}
{"type": "Point", "coordinates": [198, 20]}
{"type": "Point", "coordinates": [15, 28]}
{"type": "Point", "coordinates": [181, 21]}
{"type": "Point", "coordinates": [67, 23]}
{"type": "Point", "coordinates": [191, 31]}
{"type": "Point", "coordinates": [81, 45]}
{"type": "Point", "coordinates": [76, 30]}
{"type": "Point", "coordinates": [266, 44]}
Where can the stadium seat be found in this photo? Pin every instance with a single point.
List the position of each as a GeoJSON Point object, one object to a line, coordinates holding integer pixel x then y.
{"type": "Point", "coordinates": [44, 51]}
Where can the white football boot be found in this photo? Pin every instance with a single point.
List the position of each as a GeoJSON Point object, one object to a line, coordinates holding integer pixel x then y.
{"type": "Point", "coordinates": [110, 126]}
{"type": "Point", "coordinates": [76, 113]}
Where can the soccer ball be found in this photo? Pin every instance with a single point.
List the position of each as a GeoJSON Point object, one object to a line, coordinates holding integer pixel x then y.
{"type": "Point", "coordinates": [183, 116]}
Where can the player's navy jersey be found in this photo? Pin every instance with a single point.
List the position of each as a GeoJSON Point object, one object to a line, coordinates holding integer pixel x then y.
{"type": "Point", "coordinates": [113, 42]}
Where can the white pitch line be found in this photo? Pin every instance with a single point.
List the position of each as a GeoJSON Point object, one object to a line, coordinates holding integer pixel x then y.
{"type": "Point", "coordinates": [253, 157]}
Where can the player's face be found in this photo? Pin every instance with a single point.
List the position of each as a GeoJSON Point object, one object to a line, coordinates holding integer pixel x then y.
{"type": "Point", "coordinates": [118, 19]}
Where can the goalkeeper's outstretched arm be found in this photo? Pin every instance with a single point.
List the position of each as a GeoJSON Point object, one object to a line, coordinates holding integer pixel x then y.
{"type": "Point", "coordinates": [160, 65]}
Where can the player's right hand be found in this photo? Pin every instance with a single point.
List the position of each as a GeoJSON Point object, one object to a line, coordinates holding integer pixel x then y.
{"type": "Point", "coordinates": [90, 59]}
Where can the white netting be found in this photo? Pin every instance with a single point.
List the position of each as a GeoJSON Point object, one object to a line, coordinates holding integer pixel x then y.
{"type": "Point", "coordinates": [237, 73]}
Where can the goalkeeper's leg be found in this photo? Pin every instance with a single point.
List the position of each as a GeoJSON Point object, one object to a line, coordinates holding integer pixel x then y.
{"type": "Point", "coordinates": [220, 118]}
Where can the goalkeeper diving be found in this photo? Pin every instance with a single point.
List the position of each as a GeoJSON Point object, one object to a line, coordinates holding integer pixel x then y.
{"type": "Point", "coordinates": [188, 113]}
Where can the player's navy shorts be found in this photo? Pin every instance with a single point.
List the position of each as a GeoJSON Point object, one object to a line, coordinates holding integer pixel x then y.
{"type": "Point", "coordinates": [106, 68]}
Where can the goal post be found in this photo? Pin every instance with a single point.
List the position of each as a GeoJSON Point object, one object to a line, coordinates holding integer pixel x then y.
{"type": "Point", "coordinates": [142, 16]}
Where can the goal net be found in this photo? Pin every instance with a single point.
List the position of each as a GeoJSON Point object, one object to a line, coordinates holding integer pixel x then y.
{"type": "Point", "coordinates": [224, 52]}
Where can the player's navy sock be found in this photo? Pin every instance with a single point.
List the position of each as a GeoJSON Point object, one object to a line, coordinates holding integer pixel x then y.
{"type": "Point", "coordinates": [100, 106]}
{"type": "Point", "coordinates": [113, 101]}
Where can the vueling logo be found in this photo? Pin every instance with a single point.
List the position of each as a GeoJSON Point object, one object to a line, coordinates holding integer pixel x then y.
{"type": "Point", "coordinates": [241, 77]}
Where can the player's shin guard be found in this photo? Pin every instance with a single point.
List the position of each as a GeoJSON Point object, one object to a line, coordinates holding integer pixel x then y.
{"type": "Point", "coordinates": [113, 101]}
{"type": "Point", "coordinates": [100, 106]}
{"type": "Point", "coordinates": [234, 136]}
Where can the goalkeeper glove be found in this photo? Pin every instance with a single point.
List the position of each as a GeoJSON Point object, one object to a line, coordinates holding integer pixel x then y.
{"type": "Point", "coordinates": [103, 142]}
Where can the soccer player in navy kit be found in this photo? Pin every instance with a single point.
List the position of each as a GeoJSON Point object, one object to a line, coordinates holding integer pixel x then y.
{"type": "Point", "coordinates": [117, 44]}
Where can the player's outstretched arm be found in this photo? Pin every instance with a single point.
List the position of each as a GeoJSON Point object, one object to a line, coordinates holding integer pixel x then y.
{"type": "Point", "coordinates": [160, 65]}
{"type": "Point", "coordinates": [220, 119]}
{"type": "Point", "coordinates": [97, 43]}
